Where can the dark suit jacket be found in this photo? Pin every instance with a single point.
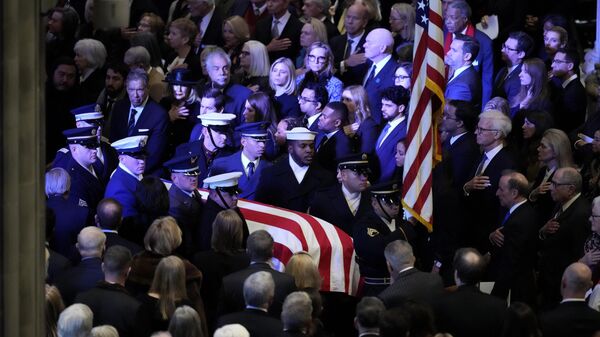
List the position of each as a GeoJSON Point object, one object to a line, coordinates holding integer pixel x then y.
{"type": "Point", "coordinates": [187, 211]}
{"type": "Point", "coordinates": [232, 297]}
{"type": "Point", "coordinates": [330, 205]}
{"type": "Point", "coordinates": [153, 118]}
{"type": "Point", "coordinates": [214, 31]}
{"type": "Point", "coordinates": [352, 75]}
{"type": "Point", "coordinates": [387, 151]}
{"type": "Point", "coordinates": [384, 79]}
{"type": "Point", "coordinates": [257, 322]}
{"type": "Point", "coordinates": [512, 265]}
{"type": "Point", "coordinates": [84, 186]}
{"type": "Point", "coordinates": [93, 84]}
{"type": "Point", "coordinates": [70, 220]}
{"type": "Point", "coordinates": [244, 9]}
{"type": "Point", "coordinates": [366, 136]}
{"type": "Point", "coordinates": [467, 312]}
{"type": "Point", "coordinates": [233, 163]}
{"type": "Point", "coordinates": [484, 205]}
{"type": "Point", "coordinates": [81, 277]}
{"type": "Point", "coordinates": [574, 319]}
{"type": "Point", "coordinates": [57, 264]}
{"type": "Point", "coordinates": [571, 105]}
{"type": "Point", "coordinates": [338, 146]}
{"type": "Point", "coordinates": [564, 247]}
{"type": "Point", "coordinates": [466, 87]}
{"type": "Point", "coordinates": [507, 87]}
{"type": "Point", "coordinates": [122, 187]}
{"type": "Point", "coordinates": [278, 185]}
{"type": "Point", "coordinates": [412, 285]}
{"type": "Point", "coordinates": [103, 170]}
{"type": "Point", "coordinates": [463, 154]}
{"type": "Point", "coordinates": [287, 106]}
{"type": "Point", "coordinates": [113, 239]}
{"type": "Point", "coordinates": [291, 31]}
{"type": "Point", "coordinates": [484, 64]}
{"type": "Point", "coordinates": [113, 305]}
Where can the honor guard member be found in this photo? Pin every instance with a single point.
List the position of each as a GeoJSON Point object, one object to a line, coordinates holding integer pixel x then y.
{"type": "Point", "coordinates": [344, 203]}
{"type": "Point", "coordinates": [184, 199]}
{"type": "Point", "coordinates": [86, 187]}
{"type": "Point", "coordinates": [86, 116]}
{"type": "Point", "coordinates": [223, 194]}
{"type": "Point", "coordinates": [249, 160]}
{"type": "Point", "coordinates": [127, 176]}
{"type": "Point", "coordinates": [374, 231]}
{"type": "Point", "coordinates": [214, 140]}
{"type": "Point", "coordinates": [291, 182]}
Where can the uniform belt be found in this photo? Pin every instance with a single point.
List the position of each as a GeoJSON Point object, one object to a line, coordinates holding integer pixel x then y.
{"type": "Point", "coordinates": [378, 280]}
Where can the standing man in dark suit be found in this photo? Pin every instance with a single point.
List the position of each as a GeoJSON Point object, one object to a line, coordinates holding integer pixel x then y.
{"type": "Point", "coordinates": [279, 31]}
{"type": "Point", "coordinates": [374, 231]}
{"type": "Point", "coordinates": [185, 202]}
{"type": "Point", "coordinates": [260, 250]}
{"type": "Point", "coordinates": [394, 105]}
{"type": "Point", "coordinates": [480, 192]}
{"type": "Point", "coordinates": [218, 67]}
{"type": "Point", "coordinates": [564, 235]}
{"type": "Point", "coordinates": [209, 22]}
{"type": "Point", "coordinates": [348, 50]}
{"type": "Point", "coordinates": [570, 96]}
{"type": "Point", "coordinates": [319, 9]}
{"type": "Point", "coordinates": [408, 283]}
{"type": "Point", "coordinates": [140, 115]}
{"type": "Point", "coordinates": [460, 155]}
{"type": "Point", "coordinates": [464, 82]}
{"type": "Point", "coordinates": [216, 133]}
{"type": "Point", "coordinates": [84, 276]}
{"type": "Point", "coordinates": [259, 291]}
{"type": "Point", "coordinates": [573, 317]}
{"type": "Point", "coordinates": [86, 187]}
{"type": "Point", "coordinates": [515, 49]}
{"type": "Point", "coordinates": [312, 100]}
{"type": "Point", "coordinates": [342, 204]}
{"type": "Point", "coordinates": [109, 301]}
{"type": "Point", "coordinates": [223, 194]}
{"type": "Point", "coordinates": [514, 253]}
{"type": "Point", "coordinates": [249, 160]}
{"type": "Point", "coordinates": [332, 142]}
{"type": "Point", "coordinates": [251, 10]}
{"type": "Point", "coordinates": [129, 173]}
{"type": "Point", "coordinates": [109, 215]}
{"type": "Point", "coordinates": [291, 182]}
{"type": "Point", "coordinates": [379, 46]}
{"type": "Point", "coordinates": [467, 311]}
{"type": "Point", "coordinates": [456, 21]}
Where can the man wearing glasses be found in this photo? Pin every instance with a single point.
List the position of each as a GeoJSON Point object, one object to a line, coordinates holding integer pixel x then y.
{"type": "Point", "coordinates": [516, 48]}
{"type": "Point", "coordinates": [375, 230]}
{"type": "Point", "coordinates": [344, 203]}
{"type": "Point", "coordinates": [312, 100]}
{"type": "Point", "coordinates": [564, 234]}
{"type": "Point", "coordinates": [480, 192]}
{"type": "Point", "coordinates": [570, 95]}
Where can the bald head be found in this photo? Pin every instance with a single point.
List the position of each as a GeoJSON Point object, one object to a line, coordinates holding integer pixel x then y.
{"type": "Point", "coordinates": [378, 44]}
{"type": "Point", "coordinates": [469, 266]}
{"type": "Point", "coordinates": [90, 242]}
{"type": "Point", "coordinates": [576, 281]}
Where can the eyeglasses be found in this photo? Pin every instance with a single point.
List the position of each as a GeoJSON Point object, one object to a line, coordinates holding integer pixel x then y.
{"type": "Point", "coordinates": [317, 59]}
{"type": "Point", "coordinates": [480, 130]}
{"type": "Point", "coordinates": [594, 216]}
{"type": "Point", "coordinates": [401, 77]}
{"type": "Point", "coordinates": [556, 184]}
{"type": "Point", "coordinates": [559, 61]}
{"type": "Point", "coordinates": [504, 46]}
{"type": "Point", "coordinates": [303, 99]}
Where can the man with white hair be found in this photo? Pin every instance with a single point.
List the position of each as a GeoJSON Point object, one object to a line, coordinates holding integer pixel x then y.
{"type": "Point", "coordinates": [90, 244]}
{"type": "Point", "coordinates": [75, 321]}
{"type": "Point", "coordinates": [378, 46]}
{"type": "Point", "coordinates": [480, 192]}
{"type": "Point", "coordinates": [296, 314]}
{"type": "Point", "coordinates": [259, 291]}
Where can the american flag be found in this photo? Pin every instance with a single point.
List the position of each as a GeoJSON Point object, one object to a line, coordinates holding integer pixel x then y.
{"type": "Point", "coordinates": [426, 103]}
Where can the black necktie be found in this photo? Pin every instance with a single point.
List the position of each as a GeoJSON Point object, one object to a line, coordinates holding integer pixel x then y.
{"type": "Point", "coordinates": [348, 48]}
{"type": "Point", "coordinates": [131, 123]}
{"type": "Point", "coordinates": [480, 166]}
{"type": "Point", "coordinates": [250, 169]}
{"type": "Point", "coordinates": [371, 75]}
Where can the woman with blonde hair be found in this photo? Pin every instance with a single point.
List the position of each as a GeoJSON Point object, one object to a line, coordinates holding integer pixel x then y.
{"type": "Point", "coordinates": [167, 293]}
{"type": "Point", "coordinates": [303, 268]}
{"type": "Point", "coordinates": [254, 66]}
{"type": "Point", "coordinates": [313, 31]}
{"type": "Point", "coordinates": [226, 256]}
{"type": "Point", "coordinates": [362, 126]}
{"type": "Point", "coordinates": [319, 63]}
{"type": "Point", "coordinates": [282, 79]}
{"type": "Point", "coordinates": [402, 24]}
{"type": "Point", "coordinates": [235, 33]}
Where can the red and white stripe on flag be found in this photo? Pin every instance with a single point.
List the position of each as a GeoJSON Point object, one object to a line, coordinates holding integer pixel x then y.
{"type": "Point", "coordinates": [292, 231]}
{"type": "Point", "coordinates": [426, 103]}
